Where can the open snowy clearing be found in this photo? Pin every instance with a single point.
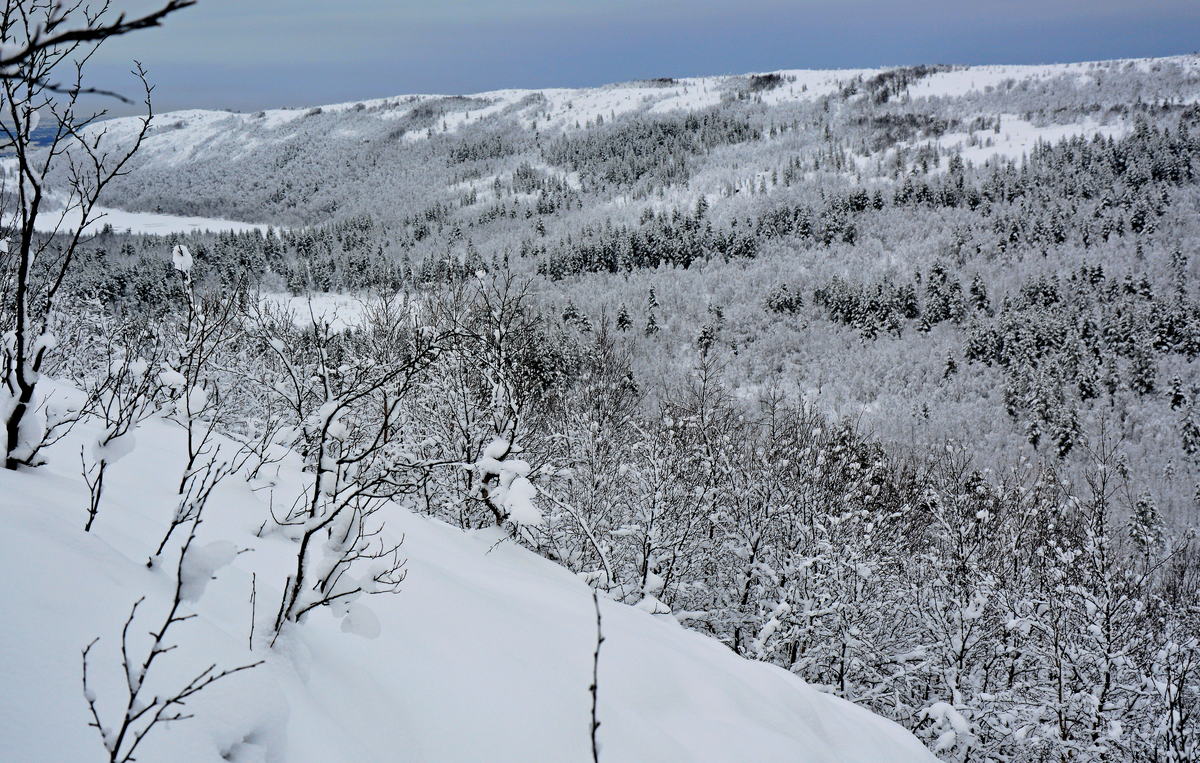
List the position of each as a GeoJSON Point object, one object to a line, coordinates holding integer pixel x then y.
{"type": "Point", "coordinates": [340, 311]}
{"type": "Point", "coordinates": [486, 654]}
{"type": "Point", "coordinates": [1018, 137]}
{"type": "Point", "coordinates": [141, 222]}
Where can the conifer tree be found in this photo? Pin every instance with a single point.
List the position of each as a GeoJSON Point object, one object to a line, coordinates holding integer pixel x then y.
{"type": "Point", "coordinates": [623, 321]}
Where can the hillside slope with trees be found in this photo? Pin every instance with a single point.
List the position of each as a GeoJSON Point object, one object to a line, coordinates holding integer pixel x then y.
{"type": "Point", "coordinates": [886, 378]}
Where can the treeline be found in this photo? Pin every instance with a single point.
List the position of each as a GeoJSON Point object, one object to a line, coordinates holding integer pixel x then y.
{"type": "Point", "coordinates": [674, 239]}
{"type": "Point", "coordinates": [1076, 191]}
{"type": "Point", "coordinates": [1058, 342]}
{"type": "Point", "coordinates": [650, 152]}
{"type": "Point", "coordinates": [132, 273]}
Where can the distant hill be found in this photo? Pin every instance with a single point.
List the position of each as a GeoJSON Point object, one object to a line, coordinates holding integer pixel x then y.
{"type": "Point", "coordinates": [394, 157]}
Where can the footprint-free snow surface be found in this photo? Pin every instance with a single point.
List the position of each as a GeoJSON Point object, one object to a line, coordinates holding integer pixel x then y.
{"type": "Point", "coordinates": [485, 654]}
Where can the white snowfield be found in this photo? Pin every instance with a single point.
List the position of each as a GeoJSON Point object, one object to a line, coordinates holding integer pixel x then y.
{"type": "Point", "coordinates": [55, 218]}
{"type": "Point", "coordinates": [485, 655]}
{"type": "Point", "coordinates": [140, 222]}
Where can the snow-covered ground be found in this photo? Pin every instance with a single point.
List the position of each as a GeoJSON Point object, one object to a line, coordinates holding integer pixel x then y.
{"type": "Point", "coordinates": [1018, 137]}
{"type": "Point", "coordinates": [486, 653]}
{"type": "Point", "coordinates": [140, 222]}
{"type": "Point", "coordinates": [341, 311]}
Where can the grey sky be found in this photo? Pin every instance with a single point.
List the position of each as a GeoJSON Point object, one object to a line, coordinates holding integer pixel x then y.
{"type": "Point", "coordinates": [251, 54]}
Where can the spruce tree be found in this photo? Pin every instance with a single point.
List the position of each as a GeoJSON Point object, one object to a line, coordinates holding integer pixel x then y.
{"type": "Point", "coordinates": [651, 325]}
{"type": "Point", "coordinates": [623, 321]}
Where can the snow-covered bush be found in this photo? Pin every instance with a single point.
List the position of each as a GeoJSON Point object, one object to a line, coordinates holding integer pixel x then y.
{"type": "Point", "coordinates": [488, 397]}
{"type": "Point", "coordinates": [34, 266]}
{"type": "Point", "coordinates": [342, 397]}
{"type": "Point", "coordinates": [143, 709]}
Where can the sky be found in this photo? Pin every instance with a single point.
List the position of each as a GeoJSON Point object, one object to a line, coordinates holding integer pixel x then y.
{"type": "Point", "coordinates": [247, 55]}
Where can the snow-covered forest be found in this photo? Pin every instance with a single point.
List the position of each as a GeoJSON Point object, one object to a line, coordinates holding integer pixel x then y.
{"type": "Point", "coordinates": [810, 393]}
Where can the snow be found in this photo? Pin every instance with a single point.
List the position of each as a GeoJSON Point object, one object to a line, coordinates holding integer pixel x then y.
{"type": "Point", "coordinates": [1017, 137]}
{"type": "Point", "coordinates": [115, 449]}
{"type": "Point", "coordinates": [341, 311]}
{"type": "Point", "coordinates": [199, 565]}
{"type": "Point", "coordinates": [180, 137]}
{"type": "Point", "coordinates": [956, 728]}
{"type": "Point", "coordinates": [361, 621]}
{"type": "Point", "coordinates": [150, 222]}
{"type": "Point", "coordinates": [181, 258]}
{"type": "Point", "coordinates": [519, 494]}
{"type": "Point", "coordinates": [52, 219]}
{"type": "Point", "coordinates": [485, 654]}
{"type": "Point", "coordinates": [497, 449]}
{"type": "Point", "coordinates": [172, 379]}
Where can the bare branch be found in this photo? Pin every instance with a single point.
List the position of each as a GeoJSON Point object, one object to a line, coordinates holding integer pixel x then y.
{"type": "Point", "coordinates": [45, 36]}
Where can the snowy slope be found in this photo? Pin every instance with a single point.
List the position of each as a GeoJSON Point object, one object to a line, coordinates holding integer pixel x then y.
{"type": "Point", "coordinates": [177, 137]}
{"type": "Point", "coordinates": [1018, 137]}
{"type": "Point", "coordinates": [189, 153]}
{"type": "Point", "coordinates": [486, 654]}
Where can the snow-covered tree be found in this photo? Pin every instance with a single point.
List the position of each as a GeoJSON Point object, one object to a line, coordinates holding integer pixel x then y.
{"type": "Point", "coordinates": [41, 41]}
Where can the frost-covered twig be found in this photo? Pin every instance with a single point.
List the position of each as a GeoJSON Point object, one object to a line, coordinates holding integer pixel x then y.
{"type": "Point", "coordinates": [253, 606]}
{"type": "Point", "coordinates": [208, 325]}
{"type": "Point", "coordinates": [199, 486]}
{"type": "Point", "coordinates": [55, 31]}
{"type": "Point", "coordinates": [141, 716]}
{"type": "Point", "coordinates": [95, 486]}
{"type": "Point", "coordinates": [123, 398]}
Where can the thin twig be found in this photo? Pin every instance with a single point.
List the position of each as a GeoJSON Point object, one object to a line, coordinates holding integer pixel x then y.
{"type": "Point", "coordinates": [596, 678]}
{"type": "Point", "coordinates": [253, 598]}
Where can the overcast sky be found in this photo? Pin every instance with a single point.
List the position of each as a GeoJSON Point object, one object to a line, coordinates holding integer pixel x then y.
{"type": "Point", "coordinates": [254, 54]}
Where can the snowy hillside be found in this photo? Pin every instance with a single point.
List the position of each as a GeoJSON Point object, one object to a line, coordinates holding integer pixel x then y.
{"type": "Point", "coordinates": [394, 157]}
{"type": "Point", "coordinates": [485, 654]}
{"type": "Point", "coordinates": [887, 379]}
{"type": "Point", "coordinates": [181, 135]}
